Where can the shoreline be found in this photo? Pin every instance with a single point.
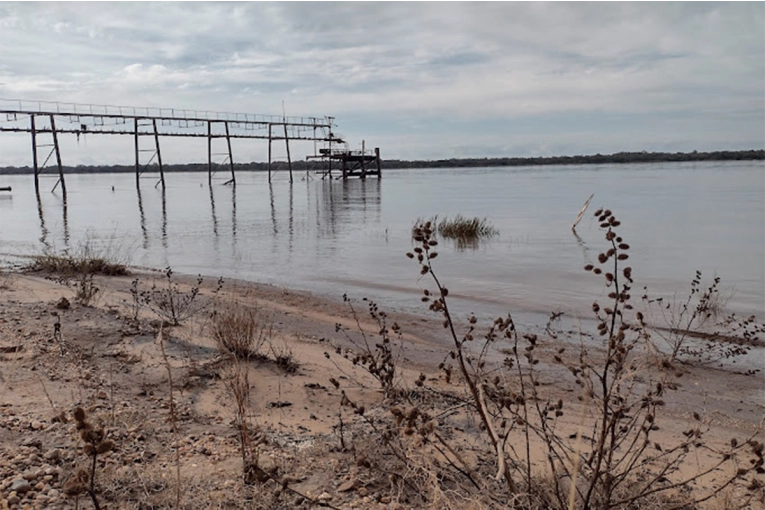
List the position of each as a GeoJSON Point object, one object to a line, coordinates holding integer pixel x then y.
{"type": "Point", "coordinates": [618, 158]}
{"type": "Point", "coordinates": [118, 374]}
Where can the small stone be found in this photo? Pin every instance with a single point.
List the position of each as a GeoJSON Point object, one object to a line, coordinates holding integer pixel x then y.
{"type": "Point", "coordinates": [385, 500]}
{"type": "Point", "coordinates": [53, 493]}
{"type": "Point", "coordinates": [20, 486]}
{"type": "Point", "coordinates": [363, 491]}
{"type": "Point", "coordinates": [324, 496]}
{"type": "Point", "coordinates": [36, 425]}
{"type": "Point", "coordinates": [12, 500]}
{"type": "Point", "coordinates": [32, 442]}
{"type": "Point", "coordinates": [39, 486]}
{"type": "Point", "coordinates": [346, 486]}
{"type": "Point", "coordinates": [52, 455]}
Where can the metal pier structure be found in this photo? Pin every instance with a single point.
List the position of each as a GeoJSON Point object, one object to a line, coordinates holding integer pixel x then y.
{"type": "Point", "coordinates": [350, 163]}
{"type": "Point", "coordinates": [45, 121]}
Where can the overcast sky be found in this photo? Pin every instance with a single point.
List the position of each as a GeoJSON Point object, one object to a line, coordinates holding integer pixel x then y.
{"type": "Point", "coordinates": [420, 80]}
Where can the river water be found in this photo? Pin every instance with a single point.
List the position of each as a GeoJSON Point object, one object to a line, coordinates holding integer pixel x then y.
{"type": "Point", "coordinates": [334, 237]}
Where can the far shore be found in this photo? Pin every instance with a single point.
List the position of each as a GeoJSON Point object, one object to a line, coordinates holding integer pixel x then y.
{"type": "Point", "coordinates": [397, 164]}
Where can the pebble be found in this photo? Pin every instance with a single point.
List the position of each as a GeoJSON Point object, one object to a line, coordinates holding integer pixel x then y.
{"type": "Point", "coordinates": [20, 486]}
{"type": "Point", "coordinates": [53, 455]}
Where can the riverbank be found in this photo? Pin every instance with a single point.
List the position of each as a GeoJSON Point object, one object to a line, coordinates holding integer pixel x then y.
{"type": "Point", "coordinates": [57, 354]}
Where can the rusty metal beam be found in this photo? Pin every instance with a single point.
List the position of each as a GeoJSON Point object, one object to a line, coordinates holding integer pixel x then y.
{"type": "Point", "coordinates": [159, 154]}
{"type": "Point", "coordinates": [58, 157]}
{"type": "Point", "coordinates": [34, 153]}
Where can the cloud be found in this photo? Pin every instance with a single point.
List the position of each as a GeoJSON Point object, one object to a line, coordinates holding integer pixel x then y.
{"type": "Point", "coordinates": [442, 64]}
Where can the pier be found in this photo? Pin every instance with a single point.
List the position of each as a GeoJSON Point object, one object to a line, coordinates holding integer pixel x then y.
{"type": "Point", "coordinates": [46, 121]}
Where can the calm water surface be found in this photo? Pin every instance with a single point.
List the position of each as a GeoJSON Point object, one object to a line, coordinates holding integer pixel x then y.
{"type": "Point", "coordinates": [334, 237]}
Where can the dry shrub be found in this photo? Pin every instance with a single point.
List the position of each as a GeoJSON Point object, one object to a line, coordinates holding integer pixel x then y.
{"type": "Point", "coordinates": [509, 415]}
{"type": "Point", "coordinates": [87, 258]}
{"type": "Point", "coordinates": [699, 330]}
{"type": "Point", "coordinates": [236, 331]}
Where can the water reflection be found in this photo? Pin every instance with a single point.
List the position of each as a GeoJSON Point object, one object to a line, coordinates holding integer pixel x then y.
{"type": "Point", "coordinates": [43, 230]}
{"type": "Point", "coordinates": [233, 213]}
{"type": "Point", "coordinates": [212, 209]}
{"type": "Point", "coordinates": [273, 207]}
{"type": "Point", "coordinates": [583, 246]}
{"type": "Point", "coordinates": [144, 233]}
{"type": "Point", "coordinates": [164, 218]}
{"type": "Point", "coordinates": [346, 202]}
{"type": "Point", "coordinates": [292, 214]}
{"type": "Point", "coordinates": [65, 213]}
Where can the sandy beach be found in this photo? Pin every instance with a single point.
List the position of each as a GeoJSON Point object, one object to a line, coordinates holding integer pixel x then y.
{"type": "Point", "coordinates": [57, 354]}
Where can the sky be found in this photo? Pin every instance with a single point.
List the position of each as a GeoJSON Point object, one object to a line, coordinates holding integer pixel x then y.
{"type": "Point", "coordinates": [420, 80]}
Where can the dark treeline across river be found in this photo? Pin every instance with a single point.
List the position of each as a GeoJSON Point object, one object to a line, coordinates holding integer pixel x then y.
{"type": "Point", "coordinates": [596, 159]}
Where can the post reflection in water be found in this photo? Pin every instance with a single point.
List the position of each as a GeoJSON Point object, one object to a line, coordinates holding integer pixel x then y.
{"type": "Point", "coordinates": [65, 212]}
{"type": "Point", "coordinates": [212, 209]}
{"type": "Point", "coordinates": [291, 223]}
{"type": "Point", "coordinates": [273, 208]}
{"type": "Point", "coordinates": [292, 212]}
{"type": "Point", "coordinates": [142, 219]}
{"type": "Point", "coordinates": [43, 229]}
{"type": "Point", "coordinates": [344, 202]}
{"type": "Point", "coordinates": [164, 219]}
{"type": "Point", "coordinates": [233, 213]}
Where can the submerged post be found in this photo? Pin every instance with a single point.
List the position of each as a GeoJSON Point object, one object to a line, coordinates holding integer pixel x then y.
{"type": "Point", "coordinates": [58, 155]}
{"type": "Point", "coordinates": [287, 143]}
{"type": "Point", "coordinates": [34, 153]}
{"type": "Point", "coordinates": [159, 154]}
{"type": "Point", "coordinates": [230, 155]}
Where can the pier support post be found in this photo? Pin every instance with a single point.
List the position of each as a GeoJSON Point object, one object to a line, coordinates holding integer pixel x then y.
{"type": "Point", "coordinates": [137, 154]}
{"type": "Point", "coordinates": [159, 153]}
{"type": "Point", "coordinates": [269, 151]}
{"type": "Point", "coordinates": [363, 157]}
{"type": "Point", "coordinates": [34, 153]}
{"type": "Point", "coordinates": [287, 144]}
{"type": "Point", "coordinates": [58, 155]}
{"type": "Point", "coordinates": [230, 156]}
{"type": "Point", "coordinates": [329, 148]}
{"type": "Point", "coordinates": [377, 160]}
{"type": "Point", "coordinates": [209, 153]}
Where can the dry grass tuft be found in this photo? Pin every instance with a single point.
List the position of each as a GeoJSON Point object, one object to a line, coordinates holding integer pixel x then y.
{"type": "Point", "coordinates": [236, 332]}
{"type": "Point", "coordinates": [466, 229]}
{"type": "Point", "coordinates": [89, 257]}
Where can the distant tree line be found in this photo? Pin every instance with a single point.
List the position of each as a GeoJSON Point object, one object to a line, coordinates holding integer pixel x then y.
{"type": "Point", "coordinates": [596, 159]}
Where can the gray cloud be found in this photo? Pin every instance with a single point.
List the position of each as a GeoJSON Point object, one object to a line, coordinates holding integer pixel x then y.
{"type": "Point", "coordinates": [691, 75]}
